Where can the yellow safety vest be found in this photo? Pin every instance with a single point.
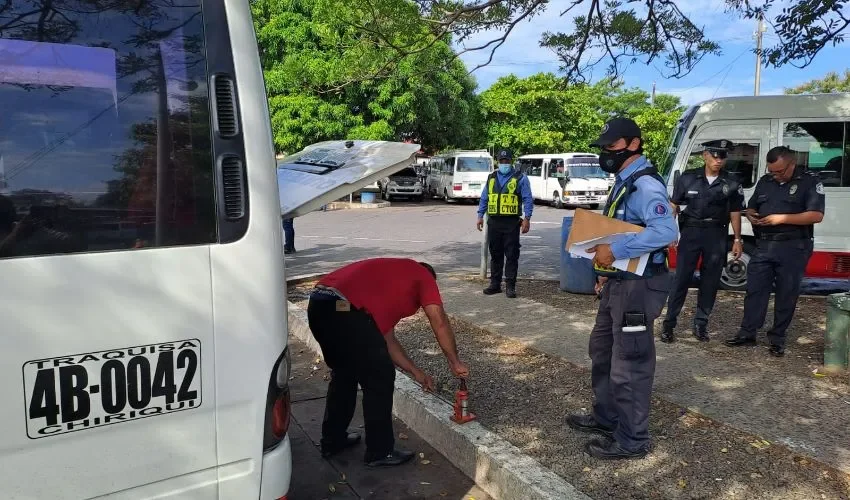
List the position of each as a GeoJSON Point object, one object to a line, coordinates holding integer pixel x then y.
{"type": "Point", "coordinates": [505, 203]}
{"type": "Point", "coordinates": [611, 212]}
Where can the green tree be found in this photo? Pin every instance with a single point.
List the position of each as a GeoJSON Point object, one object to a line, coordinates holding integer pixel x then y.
{"type": "Point", "coordinates": [829, 84]}
{"type": "Point", "coordinates": [328, 79]}
{"type": "Point", "coordinates": [543, 114]}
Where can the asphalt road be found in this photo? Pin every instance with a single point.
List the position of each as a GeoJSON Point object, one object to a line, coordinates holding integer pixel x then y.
{"type": "Point", "coordinates": [442, 234]}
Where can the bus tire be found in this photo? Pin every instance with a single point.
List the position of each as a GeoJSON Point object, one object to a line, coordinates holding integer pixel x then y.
{"type": "Point", "coordinates": [557, 202]}
{"type": "Point", "coordinates": [734, 275]}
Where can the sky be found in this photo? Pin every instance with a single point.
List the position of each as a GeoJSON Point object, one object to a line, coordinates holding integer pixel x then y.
{"type": "Point", "coordinates": [732, 73]}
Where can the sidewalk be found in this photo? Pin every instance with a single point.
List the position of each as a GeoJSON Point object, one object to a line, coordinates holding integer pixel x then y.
{"type": "Point", "coordinates": [345, 475]}
{"type": "Point", "coordinates": [808, 415]}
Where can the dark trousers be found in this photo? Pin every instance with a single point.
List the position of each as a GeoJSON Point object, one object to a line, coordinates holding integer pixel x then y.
{"type": "Point", "coordinates": [503, 236]}
{"type": "Point", "coordinates": [623, 366]}
{"type": "Point", "coordinates": [288, 234]}
{"type": "Point", "coordinates": [710, 244]}
{"type": "Point", "coordinates": [782, 263]}
{"type": "Point", "coordinates": [356, 352]}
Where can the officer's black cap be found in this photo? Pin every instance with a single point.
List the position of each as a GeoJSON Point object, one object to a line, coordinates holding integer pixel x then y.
{"type": "Point", "coordinates": [505, 155]}
{"type": "Point", "coordinates": [718, 145]}
{"type": "Point", "coordinates": [616, 129]}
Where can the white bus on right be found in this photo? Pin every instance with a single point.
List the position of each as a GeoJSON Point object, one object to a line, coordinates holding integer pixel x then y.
{"type": "Point", "coordinates": [816, 126]}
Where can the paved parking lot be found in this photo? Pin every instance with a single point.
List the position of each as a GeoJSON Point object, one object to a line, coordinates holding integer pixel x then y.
{"type": "Point", "coordinates": [442, 234]}
{"type": "Point", "coordinates": [439, 233]}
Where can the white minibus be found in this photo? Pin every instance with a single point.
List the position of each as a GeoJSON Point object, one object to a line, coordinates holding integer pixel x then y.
{"type": "Point", "coordinates": [817, 127]}
{"type": "Point", "coordinates": [566, 179]}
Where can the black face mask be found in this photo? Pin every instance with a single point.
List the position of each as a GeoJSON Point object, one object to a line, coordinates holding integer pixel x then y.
{"type": "Point", "coordinates": [612, 161]}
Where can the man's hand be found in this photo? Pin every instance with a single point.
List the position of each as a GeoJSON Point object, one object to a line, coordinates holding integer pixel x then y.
{"type": "Point", "coordinates": [599, 284]}
{"type": "Point", "coordinates": [424, 380]}
{"type": "Point", "coordinates": [480, 224]}
{"type": "Point", "coordinates": [737, 249]}
{"type": "Point", "coordinates": [525, 226]}
{"type": "Point", "coordinates": [772, 220]}
{"type": "Point", "coordinates": [604, 257]}
{"type": "Point", "coordinates": [459, 369]}
{"type": "Point", "coordinates": [753, 217]}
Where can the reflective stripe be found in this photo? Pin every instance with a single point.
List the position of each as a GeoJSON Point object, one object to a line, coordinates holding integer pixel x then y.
{"type": "Point", "coordinates": [506, 203]}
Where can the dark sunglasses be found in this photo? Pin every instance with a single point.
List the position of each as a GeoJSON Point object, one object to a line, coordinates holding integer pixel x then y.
{"type": "Point", "coordinates": [779, 171]}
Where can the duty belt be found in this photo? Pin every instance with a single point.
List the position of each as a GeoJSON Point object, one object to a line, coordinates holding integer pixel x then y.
{"type": "Point", "coordinates": [785, 236]}
{"type": "Point", "coordinates": [685, 221]}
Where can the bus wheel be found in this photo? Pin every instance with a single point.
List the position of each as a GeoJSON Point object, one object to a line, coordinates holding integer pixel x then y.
{"type": "Point", "coordinates": [734, 276]}
{"type": "Point", "coordinates": [557, 202]}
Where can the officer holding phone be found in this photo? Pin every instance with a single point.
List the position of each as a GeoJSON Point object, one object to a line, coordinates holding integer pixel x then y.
{"type": "Point", "coordinates": [711, 200]}
{"type": "Point", "coordinates": [622, 345]}
{"type": "Point", "coordinates": [786, 204]}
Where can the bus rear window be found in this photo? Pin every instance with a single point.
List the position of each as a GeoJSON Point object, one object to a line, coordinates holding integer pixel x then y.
{"type": "Point", "coordinates": [104, 133]}
{"type": "Point", "coordinates": [480, 164]}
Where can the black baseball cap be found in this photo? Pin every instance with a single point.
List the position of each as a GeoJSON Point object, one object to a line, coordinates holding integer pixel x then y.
{"type": "Point", "coordinates": [616, 129]}
{"type": "Point", "coordinates": [505, 155]}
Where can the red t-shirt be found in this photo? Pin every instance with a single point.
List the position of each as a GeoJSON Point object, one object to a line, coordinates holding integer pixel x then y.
{"type": "Point", "coordinates": [388, 289]}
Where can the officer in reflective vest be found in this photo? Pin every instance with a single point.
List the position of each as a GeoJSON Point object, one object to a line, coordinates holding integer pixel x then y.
{"type": "Point", "coordinates": [712, 199]}
{"type": "Point", "coordinates": [500, 199]}
{"type": "Point", "coordinates": [622, 346]}
{"type": "Point", "coordinates": [785, 206]}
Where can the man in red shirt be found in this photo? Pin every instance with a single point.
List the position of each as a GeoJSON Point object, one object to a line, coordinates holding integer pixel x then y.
{"type": "Point", "coordinates": [352, 314]}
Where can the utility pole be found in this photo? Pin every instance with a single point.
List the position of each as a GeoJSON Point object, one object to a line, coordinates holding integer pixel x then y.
{"type": "Point", "coordinates": [652, 98]}
{"type": "Point", "coordinates": [759, 35]}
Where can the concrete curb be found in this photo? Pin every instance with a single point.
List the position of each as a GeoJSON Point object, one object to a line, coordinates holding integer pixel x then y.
{"type": "Point", "coordinates": [496, 466]}
{"type": "Point", "coordinates": [344, 205]}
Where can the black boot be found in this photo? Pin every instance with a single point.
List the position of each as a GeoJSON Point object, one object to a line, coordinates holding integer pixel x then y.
{"type": "Point", "coordinates": [667, 335]}
{"type": "Point", "coordinates": [701, 333]}
{"type": "Point", "coordinates": [510, 289]}
{"type": "Point", "coordinates": [493, 289]}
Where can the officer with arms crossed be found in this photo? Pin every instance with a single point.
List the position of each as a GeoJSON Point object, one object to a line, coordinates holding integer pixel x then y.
{"type": "Point", "coordinates": [622, 346]}
{"type": "Point", "coordinates": [500, 201]}
{"type": "Point", "coordinates": [711, 198]}
{"type": "Point", "coordinates": [352, 314]}
{"type": "Point", "coordinates": [783, 210]}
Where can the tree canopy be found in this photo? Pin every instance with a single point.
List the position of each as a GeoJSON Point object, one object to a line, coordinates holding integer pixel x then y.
{"type": "Point", "coordinates": [543, 114]}
{"type": "Point", "coordinates": [832, 82]}
{"type": "Point", "coordinates": [610, 32]}
{"type": "Point", "coordinates": [315, 58]}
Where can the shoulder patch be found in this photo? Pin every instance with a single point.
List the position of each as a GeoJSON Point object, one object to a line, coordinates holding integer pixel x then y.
{"type": "Point", "coordinates": [819, 188]}
{"type": "Point", "coordinates": [660, 209]}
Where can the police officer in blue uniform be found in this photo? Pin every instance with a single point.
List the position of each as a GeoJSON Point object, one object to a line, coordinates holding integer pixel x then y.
{"type": "Point", "coordinates": [711, 199]}
{"type": "Point", "coordinates": [622, 345]}
{"type": "Point", "coordinates": [507, 201]}
{"type": "Point", "coordinates": [786, 204]}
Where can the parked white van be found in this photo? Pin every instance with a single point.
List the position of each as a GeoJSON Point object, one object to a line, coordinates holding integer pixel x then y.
{"type": "Point", "coordinates": [459, 174]}
{"type": "Point", "coordinates": [567, 179]}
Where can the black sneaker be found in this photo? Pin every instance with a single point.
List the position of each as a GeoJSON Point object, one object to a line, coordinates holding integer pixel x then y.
{"type": "Point", "coordinates": [586, 423]}
{"type": "Point", "coordinates": [288, 251]}
{"type": "Point", "coordinates": [667, 336]}
{"type": "Point", "coordinates": [392, 459]}
{"type": "Point", "coordinates": [608, 449]}
{"type": "Point", "coordinates": [510, 290]}
{"type": "Point", "coordinates": [737, 341]}
{"type": "Point", "coordinates": [492, 290]}
{"type": "Point", "coordinates": [777, 351]}
{"type": "Point", "coordinates": [331, 449]}
{"type": "Point", "coordinates": [701, 333]}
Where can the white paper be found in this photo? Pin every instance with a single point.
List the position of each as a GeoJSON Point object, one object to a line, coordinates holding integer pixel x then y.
{"type": "Point", "coordinates": [579, 249]}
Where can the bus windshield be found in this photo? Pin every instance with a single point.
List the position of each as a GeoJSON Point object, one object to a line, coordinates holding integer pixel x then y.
{"type": "Point", "coordinates": [587, 171]}
{"type": "Point", "coordinates": [676, 141]}
{"type": "Point", "coordinates": [470, 164]}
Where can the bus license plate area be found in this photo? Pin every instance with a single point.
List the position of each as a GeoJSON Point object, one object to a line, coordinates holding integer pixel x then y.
{"type": "Point", "coordinates": [84, 391]}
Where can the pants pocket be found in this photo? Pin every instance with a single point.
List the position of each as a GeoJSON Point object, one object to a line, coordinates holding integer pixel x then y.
{"type": "Point", "coordinates": [634, 345]}
{"type": "Point", "coordinates": [657, 290]}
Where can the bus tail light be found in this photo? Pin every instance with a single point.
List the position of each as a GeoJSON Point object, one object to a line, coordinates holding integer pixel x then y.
{"type": "Point", "coordinates": [457, 187]}
{"type": "Point", "coordinates": [278, 404]}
